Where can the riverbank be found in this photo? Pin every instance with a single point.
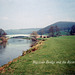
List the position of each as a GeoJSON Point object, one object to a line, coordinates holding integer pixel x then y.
{"type": "Point", "coordinates": [54, 56]}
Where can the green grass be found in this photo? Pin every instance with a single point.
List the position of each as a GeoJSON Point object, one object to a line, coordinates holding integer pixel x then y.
{"type": "Point", "coordinates": [42, 38]}
{"type": "Point", "coordinates": [54, 49]}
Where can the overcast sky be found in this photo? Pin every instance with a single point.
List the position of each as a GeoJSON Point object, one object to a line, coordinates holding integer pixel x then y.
{"type": "Point", "coordinates": [18, 14]}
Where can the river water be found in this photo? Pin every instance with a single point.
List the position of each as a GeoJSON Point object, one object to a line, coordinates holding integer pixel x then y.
{"type": "Point", "coordinates": [12, 49]}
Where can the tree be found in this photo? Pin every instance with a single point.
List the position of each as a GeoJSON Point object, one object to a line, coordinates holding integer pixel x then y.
{"type": "Point", "coordinates": [54, 31]}
{"type": "Point", "coordinates": [72, 32]}
{"type": "Point", "coordinates": [57, 31]}
{"type": "Point", "coordinates": [51, 31]}
{"type": "Point", "coordinates": [34, 35]}
{"type": "Point", "coordinates": [2, 32]}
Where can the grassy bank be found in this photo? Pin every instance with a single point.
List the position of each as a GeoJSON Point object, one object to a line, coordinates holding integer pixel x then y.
{"type": "Point", "coordinates": [55, 56]}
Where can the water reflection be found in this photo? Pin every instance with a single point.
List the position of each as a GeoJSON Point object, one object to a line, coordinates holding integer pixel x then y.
{"type": "Point", "coordinates": [3, 45]}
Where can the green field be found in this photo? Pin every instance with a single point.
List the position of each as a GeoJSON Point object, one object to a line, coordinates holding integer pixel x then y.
{"type": "Point", "coordinates": [55, 57]}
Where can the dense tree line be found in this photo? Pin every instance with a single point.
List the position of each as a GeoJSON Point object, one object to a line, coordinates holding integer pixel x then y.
{"type": "Point", "coordinates": [72, 32]}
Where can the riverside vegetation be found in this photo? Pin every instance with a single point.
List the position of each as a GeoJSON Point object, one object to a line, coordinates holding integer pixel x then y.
{"type": "Point", "coordinates": [56, 55]}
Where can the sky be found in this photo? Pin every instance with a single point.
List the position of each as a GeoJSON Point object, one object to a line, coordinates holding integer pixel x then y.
{"type": "Point", "coordinates": [21, 14]}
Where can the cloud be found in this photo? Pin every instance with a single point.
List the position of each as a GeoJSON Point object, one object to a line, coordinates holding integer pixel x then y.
{"type": "Point", "coordinates": [4, 18]}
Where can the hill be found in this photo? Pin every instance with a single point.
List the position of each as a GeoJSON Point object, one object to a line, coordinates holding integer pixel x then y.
{"type": "Point", "coordinates": [63, 26]}
{"type": "Point", "coordinates": [21, 31]}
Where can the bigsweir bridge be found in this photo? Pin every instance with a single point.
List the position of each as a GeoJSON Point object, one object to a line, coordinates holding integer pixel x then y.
{"type": "Point", "coordinates": [25, 35]}
{"type": "Point", "coordinates": [18, 35]}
